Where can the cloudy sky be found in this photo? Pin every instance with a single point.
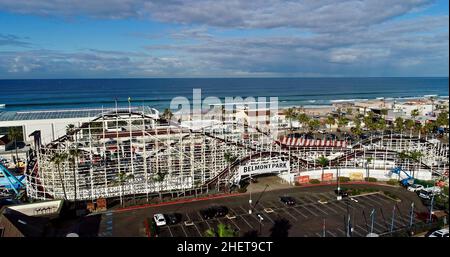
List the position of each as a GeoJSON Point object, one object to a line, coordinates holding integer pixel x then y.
{"type": "Point", "coordinates": [230, 38]}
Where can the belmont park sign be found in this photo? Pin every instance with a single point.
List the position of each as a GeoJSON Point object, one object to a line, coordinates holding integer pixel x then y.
{"type": "Point", "coordinates": [263, 168]}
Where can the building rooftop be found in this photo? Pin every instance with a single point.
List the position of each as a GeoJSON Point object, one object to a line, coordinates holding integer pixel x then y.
{"type": "Point", "coordinates": [64, 114]}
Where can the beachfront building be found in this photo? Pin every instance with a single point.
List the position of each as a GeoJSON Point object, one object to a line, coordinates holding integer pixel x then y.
{"type": "Point", "coordinates": [53, 124]}
{"type": "Point", "coordinates": [127, 152]}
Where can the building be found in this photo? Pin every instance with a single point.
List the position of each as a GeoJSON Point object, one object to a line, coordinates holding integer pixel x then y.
{"type": "Point", "coordinates": [53, 123]}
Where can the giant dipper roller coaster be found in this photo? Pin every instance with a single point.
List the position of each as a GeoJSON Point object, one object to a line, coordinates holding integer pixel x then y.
{"type": "Point", "coordinates": [131, 153]}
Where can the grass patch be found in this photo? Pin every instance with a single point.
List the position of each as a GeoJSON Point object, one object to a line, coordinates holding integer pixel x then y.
{"type": "Point", "coordinates": [391, 195]}
{"type": "Point", "coordinates": [314, 181]}
{"type": "Point", "coordinates": [360, 191]}
{"type": "Point", "coordinates": [370, 179]}
{"type": "Point", "coordinates": [344, 179]}
{"type": "Point", "coordinates": [393, 182]}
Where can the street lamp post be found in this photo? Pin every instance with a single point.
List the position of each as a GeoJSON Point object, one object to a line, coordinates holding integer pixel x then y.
{"type": "Point", "coordinates": [339, 197]}
{"type": "Point", "coordinates": [372, 214]}
{"type": "Point", "coordinates": [411, 215]}
{"type": "Point", "coordinates": [260, 222]}
{"type": "Point", "coordinates": [431, 209]}
{"type": "Point", "coordinates": [393, 217]}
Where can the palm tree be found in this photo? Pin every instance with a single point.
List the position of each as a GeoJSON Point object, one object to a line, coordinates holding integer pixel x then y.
{"type": "Point", "coordinates": [121, 179]}
{"type": "Point", "coordinates": [73, 156]}
{"type": "Point", "coordinates": [160, 176]}
{"type": "Point", "coordinates": [303, 119]}
{"type": "Point", "coordinates": [290, 114]}
{"type": "Point", "coordinates": [414, 113]}
{"type": "Point", "coordinates": [368, 161]}
{"type": "Point", "coordinates": [222, 230]}
{"type": "Point", "coordinates": [409, 124]}
{"type": "Point", "coordinates": [399, 124]}
{"type": "Point", "coordinates": [342, 121]}
{"type": "Point", "coordinates": [415, 157]}
{"type": "Point", "coordinates": [229, 158]}
{"type": "Point", "coordinates": [57, 159]}
{"type": "Point", "coordinates": [323, 162]}
{"type": "Point", "coordinates": [167, 114]}
{"type": "Point", "coordinates": [330, 121]}
{"type": "Point", "coordinates": [14, 134]}
{"type": "Point", "coordinates": [313, 124]}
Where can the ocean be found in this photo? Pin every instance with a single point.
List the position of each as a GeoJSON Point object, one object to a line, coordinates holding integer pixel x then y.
{"type": "Point", "coordinates": [41, 94]}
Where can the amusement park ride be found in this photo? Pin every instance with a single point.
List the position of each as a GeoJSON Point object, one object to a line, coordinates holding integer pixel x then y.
{"type": "Point", "coordinates": [9, 182]}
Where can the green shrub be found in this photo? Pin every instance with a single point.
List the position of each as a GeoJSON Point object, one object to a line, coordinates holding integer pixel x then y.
{"type": "Point", "coordinates": [314, 181]}
{"type": "Point", "coordinates": [392, 182]}
{"type": "Point", "coordinates": [344, 179]}
{"type": "Point", "coordinates": [391, 195]}
{"type": "Point", "coordinates": [445, 191]}
{"type": "Point", "coordinates": [359, 191]}
{"type": "Point", "coordinates": [370, 179]}
{"type": "Point", "coordinates": [425, 183]}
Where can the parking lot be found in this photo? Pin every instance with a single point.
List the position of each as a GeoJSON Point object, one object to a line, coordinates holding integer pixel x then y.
{"type": "Point", "coordinates": [308, 217]}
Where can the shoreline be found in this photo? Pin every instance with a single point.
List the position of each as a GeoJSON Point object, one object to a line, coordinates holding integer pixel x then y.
{"type": "Point", "coordinates": [312, 104]}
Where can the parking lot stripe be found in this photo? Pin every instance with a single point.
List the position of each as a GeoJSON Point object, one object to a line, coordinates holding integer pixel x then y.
{"type": "Point", "coordinates": [170, 231]}
{"type": "Point", "coordinates": [245, 211]}
{"type": "Point", "coordinates": [331, 233]}
{"type": "Point", "coordinates": [313, 213]}
{"type": "Point", "coordinates": [317, 208]}
{"type": "Point", "coordinates": [199, 233]}
{"type": "Point", "coordinates": [383, 198]}
{"type": "Point", "coordinates": [337, 205]}
{"type": "Point", "coordinates": [198, 213]}
{"type": "Point", "coordinates": [369, 198]}
{"type": "Point", "coordinates": [295, 209]}
{"type": "Point", "coordinates": [355, 231]}
{"type": "Point", "coordinates": [234, 223]}
{"type": "Point", "coordinates": [242, 216]}
{"type": "Point", "coordinates": [362, 228]}
{"type": "Point", "coordinates": [284, 209]}
{"type": "Point", "coordinates": [319, 235]}
{"type": "Point", "coordinates": [184, 231]}
{"type": "Point", "coordinates": [342, 231]}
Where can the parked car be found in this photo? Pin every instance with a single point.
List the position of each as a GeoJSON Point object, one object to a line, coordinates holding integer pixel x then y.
{"type": "Point", "coordinates": [213, 212]}
{"type": "Point", "coordinates": [173, 218]}
{"type": "Point", "coordinates": [415, 188]}
{"type": "Point", "coordinates": [424, 194]}
{"type": "Point", "coordinates": [287, 200]}
{"type": "Point", "coordinates": [160, 220]}
{"type": "Point", "coordinates": [440, 233]}
{"type": "Point", "coordinates": [342, 192]}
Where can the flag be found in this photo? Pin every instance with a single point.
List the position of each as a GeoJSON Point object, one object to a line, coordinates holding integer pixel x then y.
{"type": "Point", "coordinates": [129, 99]}
{"type": "Point", "coordinates": [372, 212]}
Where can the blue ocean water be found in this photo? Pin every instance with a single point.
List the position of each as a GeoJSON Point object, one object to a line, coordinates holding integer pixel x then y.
{"type": "Point", "coordinates": [83, 93]}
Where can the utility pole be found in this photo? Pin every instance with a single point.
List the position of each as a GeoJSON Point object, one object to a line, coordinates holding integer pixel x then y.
{"type": "Point", "coordinates": [260, 222]}
{"type": "Point", "coordinates": [393, 217]}
{"type": "Point", "coordinates": [323, 227]}
{"type": "Point", "coordinates": [431, 209]}
{"type": "Point", "coordinates": [411, 215]}
{"type": "Point", "coordinates": [372, 215]}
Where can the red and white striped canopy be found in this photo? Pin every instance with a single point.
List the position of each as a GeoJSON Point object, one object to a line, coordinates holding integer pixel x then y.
{"type": "Point", "coordinates": [312, 142]}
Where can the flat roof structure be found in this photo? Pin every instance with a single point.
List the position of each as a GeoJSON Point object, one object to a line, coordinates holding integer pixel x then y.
{"type": "Point", "coordinates": [64, 114]}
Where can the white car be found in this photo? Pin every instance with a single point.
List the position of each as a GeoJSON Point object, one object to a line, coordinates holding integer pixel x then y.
{"type": "Point", "coordinates": [159, 219]}
{"type": "Point", "coordinates": [415, 188]}
{"type": "Point", "coordinates": [440, 233]}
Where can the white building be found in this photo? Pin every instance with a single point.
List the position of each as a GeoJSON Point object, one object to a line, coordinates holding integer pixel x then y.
{"type": "Point", "coordinates": [53, 123]}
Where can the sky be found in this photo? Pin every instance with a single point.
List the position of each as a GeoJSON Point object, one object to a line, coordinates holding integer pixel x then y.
{"type": "Point", "coordinates": [223, 38]}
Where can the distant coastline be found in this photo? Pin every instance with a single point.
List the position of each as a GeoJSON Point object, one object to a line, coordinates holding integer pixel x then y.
{"type": "Point", "coordinates": [28, 95]}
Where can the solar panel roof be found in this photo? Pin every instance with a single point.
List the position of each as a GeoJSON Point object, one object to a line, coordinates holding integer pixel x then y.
{"type": "Point", "coordinates": [61, 114]}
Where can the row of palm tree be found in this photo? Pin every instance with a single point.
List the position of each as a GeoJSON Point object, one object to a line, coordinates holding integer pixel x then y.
{"type": "Point", "coordinates": [372, 121]}
{"type": "Point", "coordinates": [72, 156]}
{"type": "Point", "coordinates": [15, 134]}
